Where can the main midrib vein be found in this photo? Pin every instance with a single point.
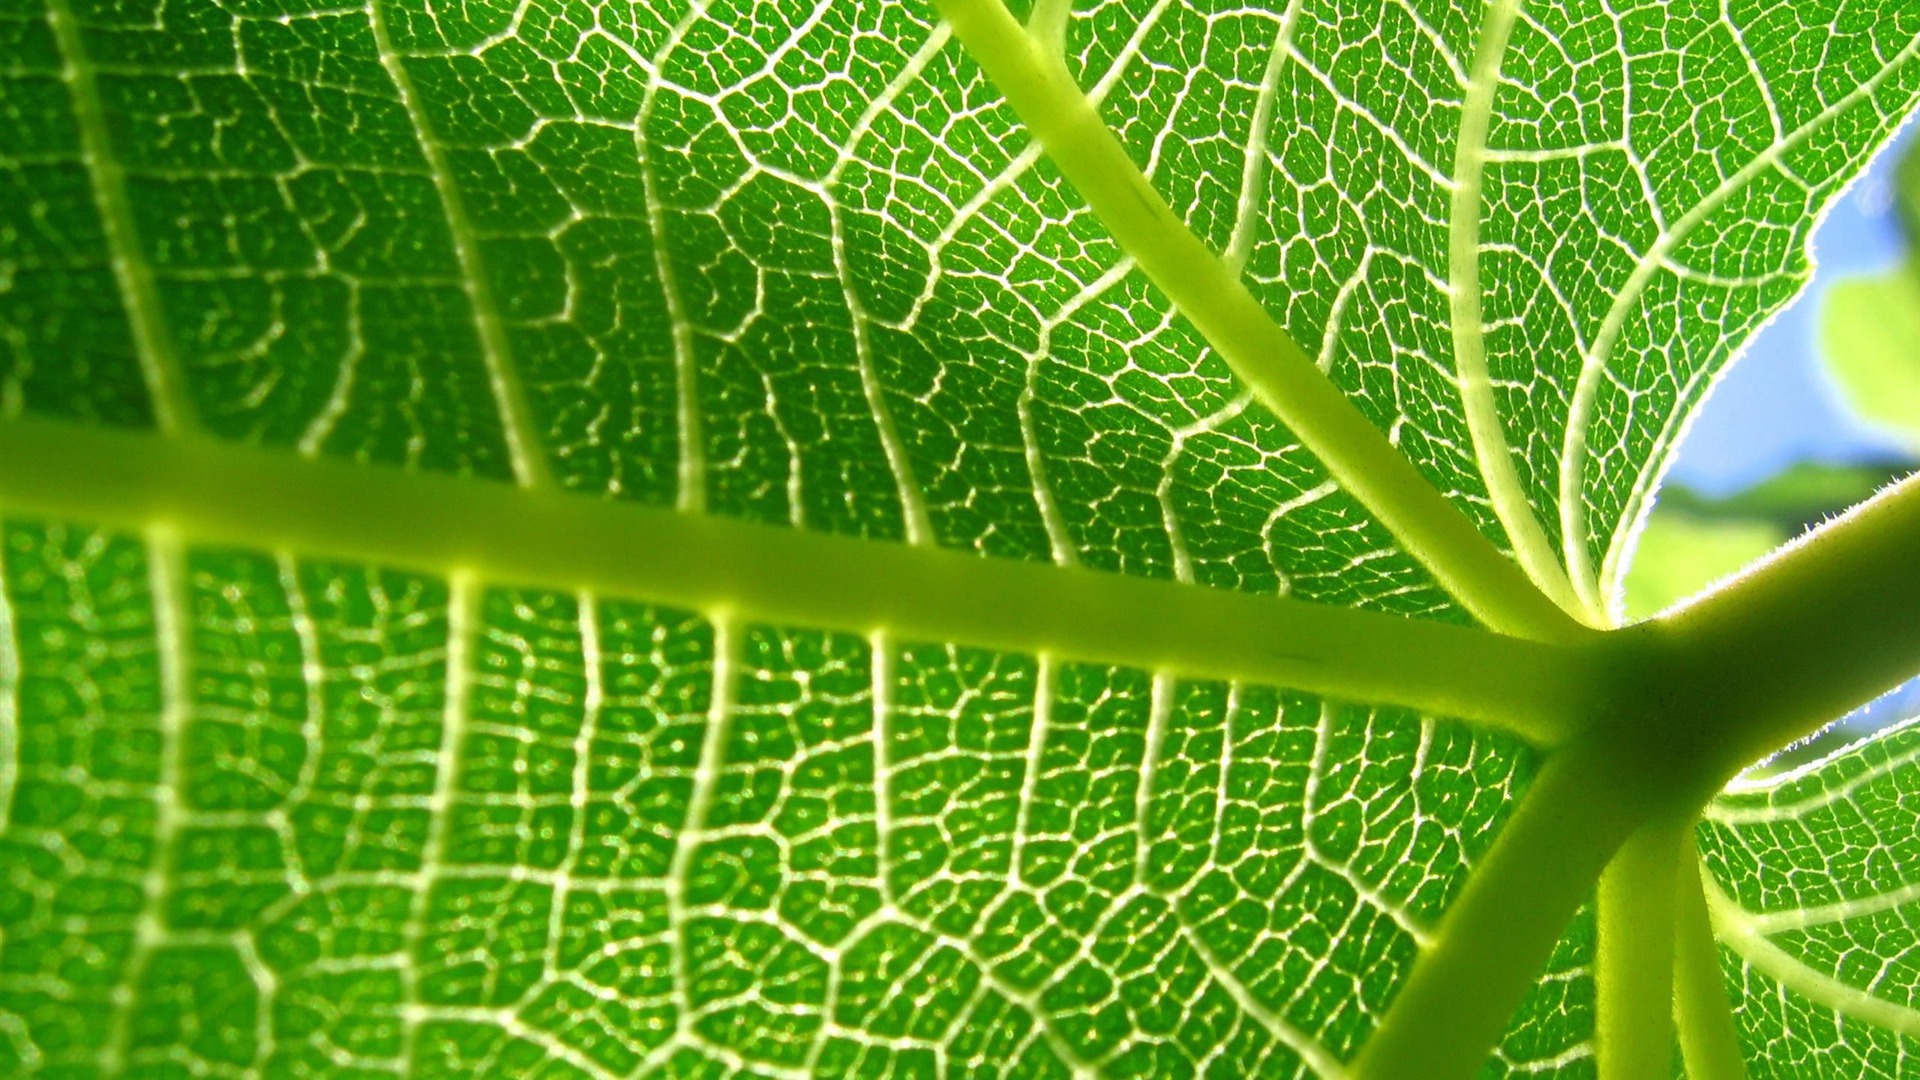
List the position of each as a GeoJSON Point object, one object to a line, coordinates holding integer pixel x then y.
{"type": "Point", "coordinates": [1215, 300]}
{"type": "Point", "coordinates": [1490, 449]}
{"type": "Point", "coordinates": [221, 493]}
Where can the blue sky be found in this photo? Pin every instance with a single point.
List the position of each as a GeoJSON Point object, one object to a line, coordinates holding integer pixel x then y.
{"type": "Point", "coordinates": [1774, 406]}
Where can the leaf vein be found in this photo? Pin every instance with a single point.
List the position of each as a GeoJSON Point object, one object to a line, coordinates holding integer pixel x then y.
{"type": "Point", "coordinates": [1467, 322]}
{"type": "Point", "coordinates": [171, 625]}
{"type": "Point", "coordinates": [1735, 928]}
{"type": "Point", "coordinates": [1580, 418]}
{"type": "Point", "coordinates": [525, 449]}
{"type": "Point", "coordinates": [462, 598]}
{"type": "Point", "coordinates": [132, 272]}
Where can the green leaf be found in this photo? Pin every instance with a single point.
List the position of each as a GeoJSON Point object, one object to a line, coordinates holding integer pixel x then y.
{"type": "Point", "coordinates": [662, 841]}
{"type": "Point", "coordinates": [1814, 905]}
{"type": "Point", "coordinates": [867, 748]}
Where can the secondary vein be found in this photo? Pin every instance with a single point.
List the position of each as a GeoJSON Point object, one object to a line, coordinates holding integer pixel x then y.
{"type": "Point", "coordinates": [152, 343]}
{"type": "Point", "coordinates": [172, 623]}
{"type": "Point", "coordinates": [1510, 503]}
{"type": "Point", "coordinates": [524, 446]}
{"type": "Point", "coordinates": [1255, 166]}
{"type": "Point", "coordinates": [1733, 926]}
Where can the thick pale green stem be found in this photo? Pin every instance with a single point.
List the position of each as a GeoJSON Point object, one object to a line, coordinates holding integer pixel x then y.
{"type": "Point", "coordinates": [214, 492]}
{"type": "Point", "coordinates": [1497, 936]}
{"type": "Point", "coordinates": [1639, 897]}
{"type": "Point", "coordinates": [1823, 626]}
{"type": "Point", "coordinates": [1709, 1044]}
{"type": "Point", "coordinates": [1213, 298]}
{"type": "Point", "coordinates": [1468, 323]}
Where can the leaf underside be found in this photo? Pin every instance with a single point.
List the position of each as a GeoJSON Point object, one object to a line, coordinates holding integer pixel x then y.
{"type": "Point", "coordinates": [262, 813]}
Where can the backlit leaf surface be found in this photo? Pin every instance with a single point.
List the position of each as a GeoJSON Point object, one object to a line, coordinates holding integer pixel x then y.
{"type": "Point", "coordinates": [265, 814]}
